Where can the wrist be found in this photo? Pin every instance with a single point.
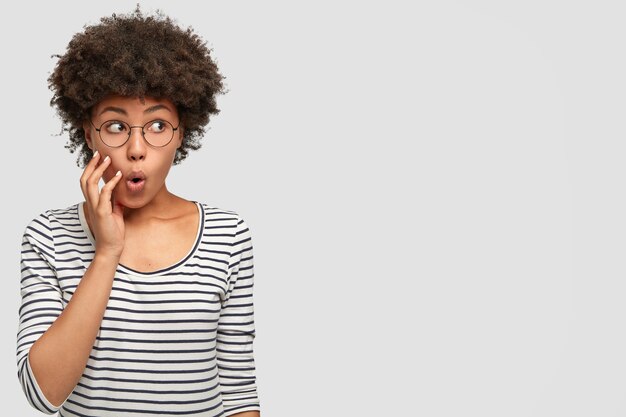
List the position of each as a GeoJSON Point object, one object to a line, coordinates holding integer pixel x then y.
{"type": "Point", "coordinates": [105, 258]}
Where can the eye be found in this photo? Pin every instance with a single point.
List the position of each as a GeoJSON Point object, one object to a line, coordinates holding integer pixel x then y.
{"type": "Point", "coordinates": [157, 126]}
{"type": "Point", "coordinates": [114, 126]}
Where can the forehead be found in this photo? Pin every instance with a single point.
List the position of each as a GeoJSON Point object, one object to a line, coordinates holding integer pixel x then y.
{"type": "Point", "coordinates": [132, 105]}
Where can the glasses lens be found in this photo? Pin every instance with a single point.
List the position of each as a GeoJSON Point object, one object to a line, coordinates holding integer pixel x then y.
{"type": "Point", "coordinates": [158, 132]}
{"type": "Point", "coordinates": [114, 132]}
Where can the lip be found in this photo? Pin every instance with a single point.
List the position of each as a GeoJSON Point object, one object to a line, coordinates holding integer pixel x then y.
{"type": "Point", "coordinates": [135, 187]}
{"type": "Point", "coordinates": [136, 174]}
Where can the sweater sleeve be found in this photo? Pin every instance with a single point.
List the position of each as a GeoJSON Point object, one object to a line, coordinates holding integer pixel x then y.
{"type": "Point", "coordinates": [40, 306]}
{"type": "Point", "coordinates": [236, 331]}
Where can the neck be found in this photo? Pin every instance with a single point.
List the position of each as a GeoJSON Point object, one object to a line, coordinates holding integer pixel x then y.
{"type": "Point", "coordinates": [162, 206]}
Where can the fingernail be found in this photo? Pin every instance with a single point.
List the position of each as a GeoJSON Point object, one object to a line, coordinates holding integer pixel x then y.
{"type": "Point", "coordinates": [118, 173]}
{"type": "Point", "coordinates": [95, 153]}
{"type": "Point", "coordinates": [106, 158]}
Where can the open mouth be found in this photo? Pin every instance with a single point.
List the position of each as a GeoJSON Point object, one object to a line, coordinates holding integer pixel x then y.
{"type": "Point", "coordinates": [135, 185]}
{"type": "Point", "coordinates": [136, 181]}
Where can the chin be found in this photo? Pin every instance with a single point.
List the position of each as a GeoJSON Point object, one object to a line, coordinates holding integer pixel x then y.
{"type": "Point", "coordinates": [131, 202]}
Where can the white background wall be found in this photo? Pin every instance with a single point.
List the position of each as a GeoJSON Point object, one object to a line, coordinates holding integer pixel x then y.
{"type": "Point", "coordinates": [435, 192]}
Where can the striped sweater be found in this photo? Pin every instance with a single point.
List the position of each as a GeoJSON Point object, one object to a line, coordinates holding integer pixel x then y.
{"type": "Point", "coordinates": [177, 341]}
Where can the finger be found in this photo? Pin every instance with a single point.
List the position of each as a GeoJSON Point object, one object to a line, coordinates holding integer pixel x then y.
{"type": "Point", "coordinates": [91, 165]}
{"type": "Point", "coordinates": [93, 181]}
{"type": "Point", "coordinates": [117, 208]}
{"type": "Point", "coordinates": [105, 203]}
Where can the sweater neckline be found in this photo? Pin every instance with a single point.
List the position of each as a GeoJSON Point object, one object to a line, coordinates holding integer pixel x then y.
{"type": "Point", "coordinates": [162, 271]}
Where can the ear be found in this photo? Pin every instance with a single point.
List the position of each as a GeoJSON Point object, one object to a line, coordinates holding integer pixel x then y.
{"type": "Point", "coordinates": [87, 130]}
{"type": "Point", "coordinates": [181, 135]}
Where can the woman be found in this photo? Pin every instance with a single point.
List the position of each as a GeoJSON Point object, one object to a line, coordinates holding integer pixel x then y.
{"type": "Point", "coordinates": [136, 301]}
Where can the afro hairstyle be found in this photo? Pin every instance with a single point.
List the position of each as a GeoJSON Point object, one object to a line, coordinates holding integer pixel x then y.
{"type": "Point", "coordinates": [141, 56]}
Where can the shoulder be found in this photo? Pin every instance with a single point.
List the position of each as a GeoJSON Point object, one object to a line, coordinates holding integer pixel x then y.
{"type": "Point", "coordinates": [220, 217]}
{"type": "Point", "coordinates": [41, 233]}
{"type": "Point", "coordinates": [51, 221]}
{"type": "Point", "coordinates": [213, 213]}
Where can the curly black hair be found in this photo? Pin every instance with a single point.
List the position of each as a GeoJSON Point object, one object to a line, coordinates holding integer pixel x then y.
{"type": "Point", "coordinates": [137, 56]}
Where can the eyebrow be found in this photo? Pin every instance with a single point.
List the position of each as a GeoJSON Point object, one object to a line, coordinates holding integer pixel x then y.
{"type": "Point", "coordinates": [120, 110]}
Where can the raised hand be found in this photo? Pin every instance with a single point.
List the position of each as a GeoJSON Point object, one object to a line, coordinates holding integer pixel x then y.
{"type": "Point", "coordinates": [106, 217]}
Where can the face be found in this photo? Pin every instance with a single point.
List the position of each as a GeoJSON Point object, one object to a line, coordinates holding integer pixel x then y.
{"type": "Point", "coordinates": [144, 167]}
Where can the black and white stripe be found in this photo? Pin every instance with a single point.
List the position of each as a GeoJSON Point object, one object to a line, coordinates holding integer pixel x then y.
{"type": "Point", "coordinates": [177, 341]}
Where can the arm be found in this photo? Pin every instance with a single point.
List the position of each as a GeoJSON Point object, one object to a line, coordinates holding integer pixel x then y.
{"type": "Point", "coordinates": [236, 332]}
{"type": "Point", "coordinates": [59, 357]}
{"type": "Point", "coordinates": [41, 305]}
{"type": "Point", "coordinates": [54, 343]}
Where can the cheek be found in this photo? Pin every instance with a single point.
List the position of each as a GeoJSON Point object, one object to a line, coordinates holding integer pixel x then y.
{"type": "Point", "coordinates": [109, 172]}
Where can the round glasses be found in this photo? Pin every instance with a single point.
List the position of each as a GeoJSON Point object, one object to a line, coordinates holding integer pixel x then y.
{"type": "Point", "coordinates": [115, 133]}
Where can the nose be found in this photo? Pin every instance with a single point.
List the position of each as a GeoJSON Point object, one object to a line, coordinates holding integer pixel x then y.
{"type": "Point", "coordinates": [136, 149]}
